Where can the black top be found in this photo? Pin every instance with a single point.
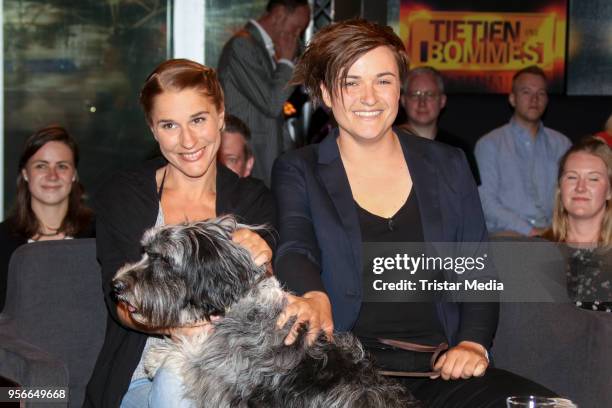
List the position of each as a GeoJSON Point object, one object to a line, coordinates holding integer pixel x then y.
{"type": "Point", "coordinates": [127, 206]}
{"type": "Point", "coordinates": [10, 240]}
{"type": "Point", "coordinates": [589, 278]}
{"type": "Point", "coordinates": [410, 321]}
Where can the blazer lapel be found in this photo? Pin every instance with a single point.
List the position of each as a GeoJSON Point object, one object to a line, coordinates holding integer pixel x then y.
{"type": "Point", "coordinates": [425, 182]}
{"type": "Point", "coordinates": [333, 177]}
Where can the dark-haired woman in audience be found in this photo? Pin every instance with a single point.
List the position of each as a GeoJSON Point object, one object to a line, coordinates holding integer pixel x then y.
{"type": "Point", "coordinates": [369, 182]}
{"type": "Point", "coordinates": [582, 219]}
{"type": "Point", "coordinates": [183, 105]}
{"type": "Point", "coordinates": [49, 203]}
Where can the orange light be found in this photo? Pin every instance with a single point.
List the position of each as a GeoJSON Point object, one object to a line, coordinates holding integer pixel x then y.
{"type": "Point", "coordinates": [289, 109]}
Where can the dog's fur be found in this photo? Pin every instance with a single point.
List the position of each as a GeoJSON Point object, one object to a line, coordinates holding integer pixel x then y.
{"type": "Point", "coordinates": [192, 272]}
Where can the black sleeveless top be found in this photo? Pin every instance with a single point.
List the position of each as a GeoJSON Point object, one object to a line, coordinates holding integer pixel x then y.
{"type": "Point", "coordinates": [410, 321]}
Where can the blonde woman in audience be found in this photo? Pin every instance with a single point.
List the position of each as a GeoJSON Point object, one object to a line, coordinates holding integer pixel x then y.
{"type": "Point", "coordinates": [49, 203]}
{"type": "Point", "coordinates": [582, 218]}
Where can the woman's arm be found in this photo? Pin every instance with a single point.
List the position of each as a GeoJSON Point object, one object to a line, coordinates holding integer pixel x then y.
{"type": "Point", "coordinates": [297, 259]}
{"type": "Point", "coordinates": [297, 262]}
{"type": "Point", "coordinates": [478, 319]}
{"type": "Point", "coordinates": [257, 207]}
{"type": "Point", "coordinates": [123, 212]}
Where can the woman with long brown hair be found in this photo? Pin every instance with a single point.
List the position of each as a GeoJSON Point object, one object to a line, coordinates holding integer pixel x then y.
{"type": "Point", "coordinates": [50, 199]}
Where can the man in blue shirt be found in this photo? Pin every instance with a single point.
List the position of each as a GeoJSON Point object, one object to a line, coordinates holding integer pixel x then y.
{"type": "Point", "coordinates": [518, 162]}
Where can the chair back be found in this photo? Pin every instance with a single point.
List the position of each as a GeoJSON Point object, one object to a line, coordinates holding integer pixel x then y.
{"type": "Point", "coordinates": [556, 344]}
{"type": "Point", "coordinates": [55, 302]}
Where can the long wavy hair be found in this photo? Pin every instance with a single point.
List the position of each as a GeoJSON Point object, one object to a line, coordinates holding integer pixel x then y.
{"type": "Point", "coordinates": [24, 220]}
{"type": "Point", "coordinates": [558, 232]}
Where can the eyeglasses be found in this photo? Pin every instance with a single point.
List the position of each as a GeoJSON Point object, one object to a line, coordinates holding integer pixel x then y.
{"type": "Point", "coordinates": [427, 95]}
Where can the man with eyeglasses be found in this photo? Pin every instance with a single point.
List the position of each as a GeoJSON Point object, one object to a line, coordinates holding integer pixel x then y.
{"type": "Point", "coordinates": [518, 162]}
{"type": "Point", "coordinates": [424, 99]}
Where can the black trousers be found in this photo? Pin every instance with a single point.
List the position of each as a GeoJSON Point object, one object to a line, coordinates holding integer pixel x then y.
{"type": "Point", "coordinates": [488, 391]}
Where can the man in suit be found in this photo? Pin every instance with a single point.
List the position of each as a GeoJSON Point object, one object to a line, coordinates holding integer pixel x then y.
{"type": "Point", "coordinates": [255, 67]}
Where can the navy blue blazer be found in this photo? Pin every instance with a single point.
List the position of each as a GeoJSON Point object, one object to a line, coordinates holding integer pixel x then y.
{"type": "Point", "coordinates": [320, 238]}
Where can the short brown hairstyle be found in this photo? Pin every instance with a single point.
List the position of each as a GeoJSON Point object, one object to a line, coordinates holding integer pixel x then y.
{"type": "Point", "coordinates": [233, 124]}
{"type": "Point", "coordinates": [533, 70]}
{"type": "Point", "coordinates": [596, 147]}
{"type": "Point", "coordinates": [336, 47]}
{"type": "Point", "coordinates": [177, 75]}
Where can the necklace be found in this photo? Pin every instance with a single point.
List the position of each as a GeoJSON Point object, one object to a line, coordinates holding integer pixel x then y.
{"type": "Point", "coordinates": [45, 234]}
{"type": "Point", "coordinates": [40, 235]}
{"type": "Point", "coordinates": [41, 232]}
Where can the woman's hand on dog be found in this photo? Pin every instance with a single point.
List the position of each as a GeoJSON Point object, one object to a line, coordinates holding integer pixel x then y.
{"type": "Point", "coordinates": [256, 245]}
{"type": "Point", "coordinates": [313, 310]}
{"type": "Point", "coordinates": [467, 359]}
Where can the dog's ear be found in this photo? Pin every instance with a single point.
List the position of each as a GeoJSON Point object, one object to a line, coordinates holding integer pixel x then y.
{"type": "Point", "coordinates": [223, 272]}
{"type": "Point", "coordinates": [206, 271]}
{"type": "Point", "coordinates": [165, 288]}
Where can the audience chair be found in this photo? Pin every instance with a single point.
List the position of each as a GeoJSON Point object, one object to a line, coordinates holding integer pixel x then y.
{"type": "Point", "coordinates": [53, 324]}
{"type": "Point", "coordinates": [558, 345]}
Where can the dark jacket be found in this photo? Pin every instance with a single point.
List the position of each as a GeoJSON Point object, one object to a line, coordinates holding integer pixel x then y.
{"type": "Point", "coordinates": [320, 238]}
{"type": "Point", "coordinates": [126, 207]}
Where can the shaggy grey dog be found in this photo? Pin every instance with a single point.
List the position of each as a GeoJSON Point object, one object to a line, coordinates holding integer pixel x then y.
{"type": "Point", "coordinates": [192, 272]}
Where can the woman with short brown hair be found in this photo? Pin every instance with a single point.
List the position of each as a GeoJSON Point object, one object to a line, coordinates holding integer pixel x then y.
{"type": "Point", "coordinates": [370, 182]}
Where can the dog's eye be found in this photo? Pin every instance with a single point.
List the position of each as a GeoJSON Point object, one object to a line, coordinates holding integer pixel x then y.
{"type": "Point", "coordinates": [154, 256]}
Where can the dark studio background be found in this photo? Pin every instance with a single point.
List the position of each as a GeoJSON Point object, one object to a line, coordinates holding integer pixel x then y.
{"type": "Point", "coordinates": [471, 116]}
